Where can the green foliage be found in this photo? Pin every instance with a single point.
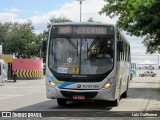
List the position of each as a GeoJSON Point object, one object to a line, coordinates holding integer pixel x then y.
{"type": "Point", "coordinates": [3, 32]}
{"type": "Point", "coordinates": [57, 20]}
{"type": "Point", "coordinates": [151, 44]}
{"type": "Point", "coordinates": [42, 37]}
{"type": "Point", "coordinates": [19, 39]}
{"type": "Point", "coordinates": [90, 20]}
{"type": "Point", "coordinates": [137, 17]}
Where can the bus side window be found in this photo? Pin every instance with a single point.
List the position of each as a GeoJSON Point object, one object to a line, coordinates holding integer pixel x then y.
{"type": "Point", "coordinates": [0, 70]}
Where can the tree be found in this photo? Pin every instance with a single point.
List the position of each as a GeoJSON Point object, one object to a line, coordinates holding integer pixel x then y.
{"type": "Point", "coordinates": [57, 20]}
{"type": "Point", "coordinates": [3, 32]}
{"type": "Point", "coordinates": [151, 45]}
{"type": "Point", "coordinates": [42, 37]}
{"type": "Point", "coordinates": [20, 39]}
{"type": "Point", "coordinates": [137, 17]}
{"type": "Point", "coordinates": [90, 20]}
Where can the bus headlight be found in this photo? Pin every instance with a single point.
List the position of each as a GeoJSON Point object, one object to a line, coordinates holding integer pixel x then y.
{"type": "Point", "coordinates": [52, 83]}
{"type": "Point", "coordinates": [109, 83]}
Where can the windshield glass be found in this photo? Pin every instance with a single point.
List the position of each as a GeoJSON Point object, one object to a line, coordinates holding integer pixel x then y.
{"type": "Point", "coordinates": [81, 55]}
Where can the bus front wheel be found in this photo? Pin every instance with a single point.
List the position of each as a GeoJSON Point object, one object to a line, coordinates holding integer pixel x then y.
{"type": "Point", "coordinates": [61, 101]}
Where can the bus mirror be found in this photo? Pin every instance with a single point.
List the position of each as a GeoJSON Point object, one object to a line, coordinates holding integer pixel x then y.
{"type": "Point", "coordinates": [120, 46]}
{"type": "Point", "coordinates": [44, 46]}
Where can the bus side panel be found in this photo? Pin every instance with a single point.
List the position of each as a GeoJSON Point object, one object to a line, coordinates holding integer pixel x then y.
{"type": "Point", "coordinates": [1, 78]}
{"type": "Point", "coordinates": [122, 77]}
{"type": "Point", "coordinates": [122, 62]}
{"type": "Point", "coordinates": [126, 77]}
{"type": "Point", "coordinates": [118, 79]}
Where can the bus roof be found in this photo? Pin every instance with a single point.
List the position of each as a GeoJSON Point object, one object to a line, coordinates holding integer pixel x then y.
{"type": "Point", "coordinates": [82, 23]}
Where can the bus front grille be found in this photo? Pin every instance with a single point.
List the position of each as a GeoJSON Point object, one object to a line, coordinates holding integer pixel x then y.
{"type": "Point", "coordinates": [69, 94]}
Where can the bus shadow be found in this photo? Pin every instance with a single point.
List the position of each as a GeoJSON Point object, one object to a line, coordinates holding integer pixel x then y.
{"type": "Point", "coordinates": [91, 105]}
{"type": "Point", "coordinates": [51, 105]}
{"type": "Point", "coordinates": [72, 109]}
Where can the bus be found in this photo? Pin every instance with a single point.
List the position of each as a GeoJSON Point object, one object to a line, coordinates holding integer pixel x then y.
{"type": "Point", "coordinates": [87, 61]}
{"type": "Point", "coordinates": [3, 72]}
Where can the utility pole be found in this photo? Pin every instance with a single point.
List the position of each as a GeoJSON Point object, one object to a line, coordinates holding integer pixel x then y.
{"type": "Point", "coordinates": [80, 2]}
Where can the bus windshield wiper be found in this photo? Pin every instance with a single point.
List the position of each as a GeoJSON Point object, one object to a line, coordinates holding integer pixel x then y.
{"type": "Point", "coordinates": [69, 40]}
{"type": "Point", "coordinates": [92, 44]}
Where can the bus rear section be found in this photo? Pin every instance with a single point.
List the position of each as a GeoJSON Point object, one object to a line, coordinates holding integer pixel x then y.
{"type": "Point", "coordinates": [81, 63]}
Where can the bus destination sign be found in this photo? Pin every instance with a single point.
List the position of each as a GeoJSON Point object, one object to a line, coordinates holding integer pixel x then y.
{"type": "Point", "coordinates": [91, 30]}
{"type": "Point", "coordinates": [87, 30]}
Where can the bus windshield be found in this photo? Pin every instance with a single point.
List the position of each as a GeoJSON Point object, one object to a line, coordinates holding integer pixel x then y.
{"type": "Point", "coordinates": [88, 56]}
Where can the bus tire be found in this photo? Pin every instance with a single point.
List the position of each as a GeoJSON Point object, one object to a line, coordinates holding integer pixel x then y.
{"type": "Point", "coordinates": [142, 75]}
{"type": "Point", "coordinates": [153, 75]}
{"type": "Point", "coordinates": [116, 102]}
{"type": "Point", "coordinates": [124, 95]}
{"type": "Point", "coordinates": [131, 76]}
{"type": "Point", "coordinates": [61, 101]}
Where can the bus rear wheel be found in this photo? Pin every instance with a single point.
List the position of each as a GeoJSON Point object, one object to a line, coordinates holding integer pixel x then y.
{"type": "Point", "coordinates": [116, 102]}
{"type": "Point", "coordinates": [124, 95]}
{"type": "Point", "coordinates": [61, 101]}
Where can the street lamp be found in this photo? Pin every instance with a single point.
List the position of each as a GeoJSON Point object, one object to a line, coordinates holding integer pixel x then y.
{"type": "Point", "coordinates": [80, 2]}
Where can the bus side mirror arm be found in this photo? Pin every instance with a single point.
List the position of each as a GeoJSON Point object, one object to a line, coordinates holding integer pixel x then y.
{"type": "Point", "coordinates": [44, 46]}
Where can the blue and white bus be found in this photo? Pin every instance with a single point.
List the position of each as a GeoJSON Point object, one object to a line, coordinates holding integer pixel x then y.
{"type": "Point", "coordinates": [87, 61]}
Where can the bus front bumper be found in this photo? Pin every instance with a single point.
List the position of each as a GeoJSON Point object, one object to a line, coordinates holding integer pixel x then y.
{"type": "Point", "coordinates": [102, 94]}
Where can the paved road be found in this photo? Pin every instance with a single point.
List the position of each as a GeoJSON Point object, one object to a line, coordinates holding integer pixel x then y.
{"type": "Point", "coordinates": [29, 95]}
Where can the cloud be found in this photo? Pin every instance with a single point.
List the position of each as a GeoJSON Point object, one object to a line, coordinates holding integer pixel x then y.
{"type": "Point", "coordinates": [72, 11]}
{"type": "Point", "coordinates": [135, 43]}
{"type": "Point", "coordinates": [90, 9]}
{"type": "Point", "coordinates": [13, 10]}
{"type": "Point", "coordinates": [137, 47]}
{"type": "Point", "coordinates": [68, 10]}
{"type": "Point", "coordinates": [11, 15]}
{"type": "Point", "coordinates": [7, 16]}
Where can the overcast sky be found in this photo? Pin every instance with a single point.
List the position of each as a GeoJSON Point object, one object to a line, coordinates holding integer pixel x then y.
{"type": "Point", "coordinates": [40, 11]}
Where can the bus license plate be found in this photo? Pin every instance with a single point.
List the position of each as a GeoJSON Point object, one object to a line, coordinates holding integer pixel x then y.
{"type": "Point", "coordinates": [78, 97]}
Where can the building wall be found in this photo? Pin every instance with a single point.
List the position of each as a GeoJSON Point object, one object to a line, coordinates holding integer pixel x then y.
{"type": "Point", "coordinates": [28, 68]}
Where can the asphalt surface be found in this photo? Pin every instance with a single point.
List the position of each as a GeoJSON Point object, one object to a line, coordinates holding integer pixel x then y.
{"type": "Point", "coordinates": [30, 95]}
